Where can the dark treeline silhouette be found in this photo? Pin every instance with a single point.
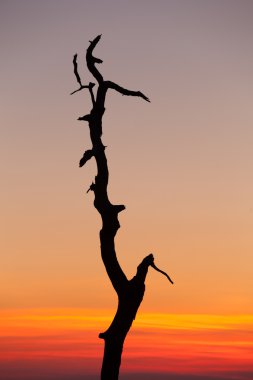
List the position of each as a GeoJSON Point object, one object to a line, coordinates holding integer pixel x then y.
{"type": "Point", "coordinates": [130, 292]}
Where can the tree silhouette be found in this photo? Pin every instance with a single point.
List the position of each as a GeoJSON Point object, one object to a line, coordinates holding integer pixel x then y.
{"type": "Point", "coordinates": [130, 292]}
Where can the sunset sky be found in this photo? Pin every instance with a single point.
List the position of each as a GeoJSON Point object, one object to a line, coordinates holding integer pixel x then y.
{"type": "Point", "coordinates": [182, 165]}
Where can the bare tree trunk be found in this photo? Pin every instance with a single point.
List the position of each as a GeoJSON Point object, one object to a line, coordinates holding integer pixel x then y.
{"type": "Point", "coordinates": [130, 292]}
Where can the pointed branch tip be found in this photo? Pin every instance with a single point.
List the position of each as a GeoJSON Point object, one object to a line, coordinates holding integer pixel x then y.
{"type": "Point", "coordinates": [161, 271]}
{"type": "Point", "coordinates": [88, 154]}
{"type": "Point", "coordinates": [79, 89]}
{"type": "Point", "coordinates": [97, 60]}
{"type": "Point", "coordinates": [84, 118]}
{"type": "Point", "coordinates": [91, 188]}
{"type": "Point", "coordinates": [96, 39]}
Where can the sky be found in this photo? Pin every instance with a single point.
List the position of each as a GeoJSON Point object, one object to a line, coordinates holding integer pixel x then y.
{"type": "Point", "coordinates": [181, 164]}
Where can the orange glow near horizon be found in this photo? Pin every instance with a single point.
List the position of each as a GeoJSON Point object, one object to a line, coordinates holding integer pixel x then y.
{"type": "Point", "coordinates": [67, 340]}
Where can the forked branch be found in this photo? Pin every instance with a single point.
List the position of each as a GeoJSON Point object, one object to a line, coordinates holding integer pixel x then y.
{"type": "Point", "coordinates": [143, 268]}
{"type": "Point", "coordinates": [89, 86]}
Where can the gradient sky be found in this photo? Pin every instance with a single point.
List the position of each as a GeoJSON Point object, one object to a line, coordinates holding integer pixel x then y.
{"type": "Point", "coordinates": [182, 164]}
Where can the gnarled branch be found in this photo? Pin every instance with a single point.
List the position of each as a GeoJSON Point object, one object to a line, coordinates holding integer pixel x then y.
{"type": "Point", "coordinates": [91, 61]}
{"type": "Point", "coordinates": [76, 70]}
{"type": "Point", "coordinates": [77, 76]}
{"type": "Point", "coordinates": [89, 86]}
{"type": "Point", "coordinates": [124, 91]}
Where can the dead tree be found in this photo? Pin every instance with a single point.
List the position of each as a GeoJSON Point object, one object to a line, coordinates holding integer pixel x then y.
{"type": "Point", "coordinates": [130, 292]}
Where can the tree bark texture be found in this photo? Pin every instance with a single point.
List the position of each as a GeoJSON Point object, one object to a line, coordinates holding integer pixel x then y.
{"type": "Point", "coordinates": [130, 292]}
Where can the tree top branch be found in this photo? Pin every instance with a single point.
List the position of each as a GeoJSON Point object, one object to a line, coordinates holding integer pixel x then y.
{"type": "Point", "coordinates": [92, 60]}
